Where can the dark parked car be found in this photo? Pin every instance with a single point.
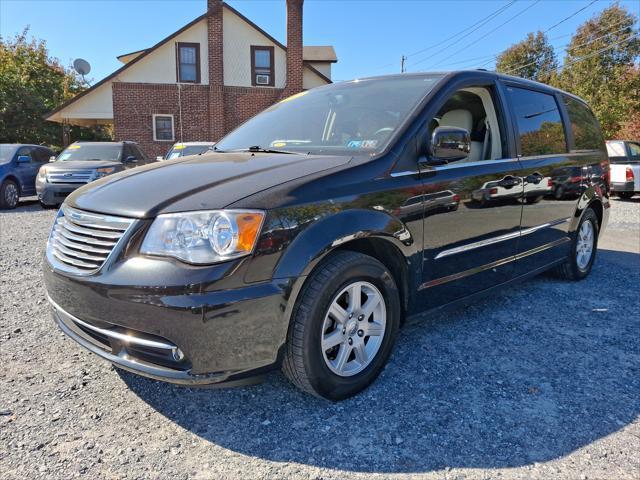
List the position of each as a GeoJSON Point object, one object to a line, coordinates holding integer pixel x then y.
{"type": "Point", "coordinates": [568, 182]}
{"type": "Point", "coordinates": [292, 244]}
{"type": "Point", "coordinates": [19, 165]}
{"type": "Point", "coordinates": [183, 149]}
{"type": "Point", "coordinates": [84, 162]}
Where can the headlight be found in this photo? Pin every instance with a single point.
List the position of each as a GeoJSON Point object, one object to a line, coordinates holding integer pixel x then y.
{"type": "Point", "coordinates": [101, 172]}
{"type": "Point", "coordinates": [42, 173]}
{"type": "Point", "coordinates": [204, 237]}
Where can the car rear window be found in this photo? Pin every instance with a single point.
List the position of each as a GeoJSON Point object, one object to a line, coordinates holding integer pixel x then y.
{"type": "Point", "coordinates": [584, 126]}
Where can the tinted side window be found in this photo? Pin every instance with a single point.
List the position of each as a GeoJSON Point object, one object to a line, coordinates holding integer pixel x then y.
{"type": "Point", "coordinates": [41, 155]}
{"type": "Point", "coordinates": [634, 150]}
{"type": "Point", "coordinates": [585, 127]}
{"type": "Point", "coordinates": [538, 121]}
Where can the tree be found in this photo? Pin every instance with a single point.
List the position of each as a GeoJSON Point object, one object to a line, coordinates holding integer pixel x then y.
{"type": "Point", "coordinates": [532, 58]}
{"type": "Point", "coordinates": [31, 84]}
{"type": "Point", "coordinates": [601, 66]}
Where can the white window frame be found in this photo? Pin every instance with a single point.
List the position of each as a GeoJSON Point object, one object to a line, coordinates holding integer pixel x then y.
{"type": "Point", "coordinates": [173, 127]}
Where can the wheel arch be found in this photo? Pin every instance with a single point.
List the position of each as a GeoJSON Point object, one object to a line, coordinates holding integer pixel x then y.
{"type": "Point", "coordinates": [14, 179]}
{"type": "Point", "coordinates": [371, 232]}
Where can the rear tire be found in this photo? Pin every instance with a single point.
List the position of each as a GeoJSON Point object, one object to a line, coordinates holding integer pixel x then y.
{"type": "Point", "coordinates": [559, 193]}
{"type": "Point", "coordinates": [583, 249]}
{"type": "Point", "coordinates": [625, 195]}
{"type": "Point", "coordinates": [9, 195]}
{"type": "Point", "coordinates": [313, 366]}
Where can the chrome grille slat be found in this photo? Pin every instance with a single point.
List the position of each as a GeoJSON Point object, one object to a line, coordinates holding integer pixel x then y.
{"type": "Point", "coordinates": [89, 232]}
{"type": "Point", "coordinates": [81, 242]}
{"type": "Point", "coordinates": [84, 247]}
{"type": "Point", "coordinates": [78, 238]}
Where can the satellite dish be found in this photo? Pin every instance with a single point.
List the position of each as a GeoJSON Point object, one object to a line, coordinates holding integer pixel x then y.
{"type": "Point", "coordinates": [81, 66]}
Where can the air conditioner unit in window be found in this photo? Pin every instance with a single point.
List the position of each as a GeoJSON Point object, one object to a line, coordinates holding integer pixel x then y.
{"type": "Point", "coordinates": [262, 79]}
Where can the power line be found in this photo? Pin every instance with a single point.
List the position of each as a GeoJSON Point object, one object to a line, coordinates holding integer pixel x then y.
{"type": "Point", "coordinates": [487, 18]}
{"type": "Point", "coordinates": [517, 68]}
{"type": "Point", "coordinates": [570, 16]}
{"type": "Point", "coordinates": [559, 23]}
{"type": "Point", "coordinates": [490, 32]}
{"type": "Point", "coordinates": [593, 54]}
{"type": "Point", "coordinates": [479, 25]}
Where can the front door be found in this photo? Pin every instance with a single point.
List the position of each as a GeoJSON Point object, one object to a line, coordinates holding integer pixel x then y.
{"type": "Point", "coordinates": [472, 206]}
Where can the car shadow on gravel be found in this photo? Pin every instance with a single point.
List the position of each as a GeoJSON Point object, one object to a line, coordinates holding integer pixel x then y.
{"type": "Point", "coordinates": [529, 375]}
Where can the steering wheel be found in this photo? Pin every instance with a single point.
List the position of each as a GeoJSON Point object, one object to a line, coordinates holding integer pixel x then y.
{"type": "Point", "coordinates": [382, 130]}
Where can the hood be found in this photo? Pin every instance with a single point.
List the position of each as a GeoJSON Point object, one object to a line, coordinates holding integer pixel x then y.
{"type": "Point", "coordinates": [82, 164]}
{"type": "Point", "coordinates": [203, 182]}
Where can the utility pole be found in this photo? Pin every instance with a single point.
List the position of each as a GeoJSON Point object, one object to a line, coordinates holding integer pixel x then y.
{"type": "Point", "coordinates": [402, 60]}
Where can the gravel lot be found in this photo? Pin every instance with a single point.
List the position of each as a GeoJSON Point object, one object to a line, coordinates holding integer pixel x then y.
{"type": "Point", "coordinates": [539, 381]}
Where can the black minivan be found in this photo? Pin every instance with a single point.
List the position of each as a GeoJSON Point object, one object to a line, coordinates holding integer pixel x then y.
{"type": "Point", "coordinates": [320, 225]}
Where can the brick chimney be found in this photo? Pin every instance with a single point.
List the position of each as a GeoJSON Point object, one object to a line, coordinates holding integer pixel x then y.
{"type": "Point", "coordinates": [294, 47]}
{"type": "Point", "coordinates": [216, 69]}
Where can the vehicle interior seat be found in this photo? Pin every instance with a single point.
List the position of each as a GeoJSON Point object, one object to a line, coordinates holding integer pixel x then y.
{"type": "Point", "coordinates": [463, 119]}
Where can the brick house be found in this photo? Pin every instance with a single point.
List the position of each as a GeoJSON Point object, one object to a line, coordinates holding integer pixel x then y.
{"type": "Point", "coordinates": [201, 81]}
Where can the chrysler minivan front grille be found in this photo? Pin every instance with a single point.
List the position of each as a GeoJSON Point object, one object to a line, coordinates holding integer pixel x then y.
{"type": "Point", "coordinates": [80, 242]}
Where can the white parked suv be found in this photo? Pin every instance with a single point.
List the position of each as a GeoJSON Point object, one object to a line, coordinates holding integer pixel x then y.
{"type": "Point", "coordinates": [625, 167]}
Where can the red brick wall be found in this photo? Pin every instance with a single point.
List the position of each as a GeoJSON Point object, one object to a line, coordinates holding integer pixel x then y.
{"type": "Point", "coordinates": [295, 64]}
{"type": "Point", "coordinates": [242, 103]}
{"type": "Point", "coordinates": [135, 103]}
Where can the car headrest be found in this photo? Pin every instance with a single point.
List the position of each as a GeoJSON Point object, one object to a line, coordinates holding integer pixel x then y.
{"type": "Point", "coordinates": [457, 118]}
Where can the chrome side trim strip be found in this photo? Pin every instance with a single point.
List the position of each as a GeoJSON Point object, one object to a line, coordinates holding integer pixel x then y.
{"type": "Point", "coordinates": [121, 337]}
{"type": "Point", "coordinates": [452, 165]}
{"type": "Point", "coordinates": [488, 266]}
{"type": "Point", "coordinates": [500, 238]}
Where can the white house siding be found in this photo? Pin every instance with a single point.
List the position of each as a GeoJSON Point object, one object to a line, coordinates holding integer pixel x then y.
{"type": "Point", "coordinates": [95, 107]}
{"type": "Point", "coordinates": [160, 65]}
{"type": "Point", "coordinates": [323, 67]}
{"type": "Point", "coordinates": [239, 36]}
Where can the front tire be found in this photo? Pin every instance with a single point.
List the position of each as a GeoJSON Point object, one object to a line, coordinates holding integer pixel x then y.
{"type": "Point", "coordinates": [583, 249]}
{"type": "Point", "coordinates": [9, 194]}
{"type": "Point", "coordinates": [343, 327]}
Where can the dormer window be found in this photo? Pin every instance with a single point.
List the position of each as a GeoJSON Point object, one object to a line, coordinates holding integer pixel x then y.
{"type": "Point", "coordinates": [262, 67]}
{"type": "Point", "coordinates": [188, 61]}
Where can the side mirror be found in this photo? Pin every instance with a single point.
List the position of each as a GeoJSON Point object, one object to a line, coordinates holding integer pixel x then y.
{"type": "Point", "coordinates": [449, 144]}
{"type": "Point", "coordinates": [52, 158]}
{"type": "Point", "coordinates": [24, 158]}
{"type": "Point", "coordinates": [131, 159]}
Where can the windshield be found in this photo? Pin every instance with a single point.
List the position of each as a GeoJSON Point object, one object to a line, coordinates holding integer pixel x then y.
{"type": "Point", "coordinates": [88, 151]}
{"type": "Point", "coordinates": [184, 150]}
{"type": "Point", "coordinates": [6, 153]}
{"type": "Point", "coordinates": [359, 116]}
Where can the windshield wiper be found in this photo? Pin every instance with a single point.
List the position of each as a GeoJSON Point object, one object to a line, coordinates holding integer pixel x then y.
{"type": "Point", "coordinates": [258, 148]}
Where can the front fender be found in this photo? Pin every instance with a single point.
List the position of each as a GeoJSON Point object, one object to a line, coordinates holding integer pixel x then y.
{"type": "Point", "coordinates": [334, 230]}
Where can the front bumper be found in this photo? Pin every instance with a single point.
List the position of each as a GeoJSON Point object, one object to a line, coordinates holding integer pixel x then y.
{"type": "Point", "coordinates": [169, 329]}
{"type": "Point", "coordinates": [55, 193]}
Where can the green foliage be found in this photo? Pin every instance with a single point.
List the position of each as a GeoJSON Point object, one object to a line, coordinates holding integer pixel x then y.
{"type": "Point", "coordinates": [32, 84]}
{"type": "Point", "coordinates": [532, 58]}
{"type": "Point", "coordinates": [601, 66]}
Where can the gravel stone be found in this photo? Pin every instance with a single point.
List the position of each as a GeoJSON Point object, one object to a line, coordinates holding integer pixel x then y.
{"type": "Point", "coordinates": [539, 381]}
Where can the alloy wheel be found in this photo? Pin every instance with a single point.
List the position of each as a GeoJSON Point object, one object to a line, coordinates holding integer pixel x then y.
{"type": "Point", "coordinates": [11, 195]}
{"type": "Point", "coordinates": [584, 247]}
{"type": "Point", "coordinates": [353, 328]}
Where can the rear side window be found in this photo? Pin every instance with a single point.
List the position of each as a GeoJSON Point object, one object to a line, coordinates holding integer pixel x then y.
{"type": "Point", "coordinates": [539, 122]}
{"type": "Point", "coordinates": [584, 126]}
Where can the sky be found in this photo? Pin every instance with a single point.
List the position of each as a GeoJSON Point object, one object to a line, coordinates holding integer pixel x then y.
{"type": "Point", "coordinates": [370, 36]}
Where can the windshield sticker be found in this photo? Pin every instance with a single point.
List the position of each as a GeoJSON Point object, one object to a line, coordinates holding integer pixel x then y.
{"type": "Point", "coordinates": [293, 97]}
{"type": "Point", "coordinates": [73, 147]}
{"type": "Point", "coordinates": [179, 147]}
{"type": "Point", "coordinates": [362, 144]}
